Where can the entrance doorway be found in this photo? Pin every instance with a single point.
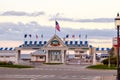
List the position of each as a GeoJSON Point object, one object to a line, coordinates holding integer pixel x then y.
{"type": "Point", "coordinates": [55, 56]}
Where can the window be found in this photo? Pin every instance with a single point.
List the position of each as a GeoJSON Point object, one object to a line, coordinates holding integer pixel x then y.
{"type": "Point", "coordinates": [7, 56]}
{"type": "Point", "coordinates": [81, 51]}
{"type": "Point", "coordinates": [41, 57]}
{"type": "Point", "coordinates": [1, 56]}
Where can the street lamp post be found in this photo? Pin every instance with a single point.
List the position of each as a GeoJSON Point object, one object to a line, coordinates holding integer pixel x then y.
{"type": "Point", "coordinates": [117, 23]}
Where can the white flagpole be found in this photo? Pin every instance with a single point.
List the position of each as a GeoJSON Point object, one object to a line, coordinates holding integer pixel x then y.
{"type": "Point", "coordinates": [55, 23]}
{"type": "Point", "coordinates": [79, 37]}
{"type": "Point", "coordinates": [24, 38]}
{"type": "Point", "coordinates": [42, 37]}
{"type": "Point", "coordinates": [55, 26]}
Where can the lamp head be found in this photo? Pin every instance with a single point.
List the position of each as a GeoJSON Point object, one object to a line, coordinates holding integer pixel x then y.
{"type": "Point", "coordinates": [117, 20]}
{"type": "Point", "coordinates": [117, 14]}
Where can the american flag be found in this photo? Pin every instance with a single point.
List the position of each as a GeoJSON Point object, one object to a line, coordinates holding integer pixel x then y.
{"type": "Point", "coordinates": [25, 35]}
{"type": "Point", "coordinates": [67, 35]}
{"type": "Point", "coordinates": [73, 36]}
{"type": "Point", "coordinates": [57, 26]}
{"type": "Point", "coordinates": [86, 36]}
{"type": "Point", "coordinates": [30, 35]}
{"type": "Point", "coordinates": [36, 36]}
{"type": "Point", "coordinates": [79, 36]}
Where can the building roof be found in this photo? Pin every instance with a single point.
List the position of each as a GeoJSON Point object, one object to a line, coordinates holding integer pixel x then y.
{"type": "Point", "coordinates": [7, 54]}
{"type": "Point", "coordinates": [25, 56]}
{"type": "Point", "coordinates": [41, 44]}
{"type": "Point", "coordinates": [38, 52]}
{"type": "Point", "coordinates": [104, 54]}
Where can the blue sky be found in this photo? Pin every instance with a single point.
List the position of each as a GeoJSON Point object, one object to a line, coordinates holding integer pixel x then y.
{"type": "Point", "coordinates": [92, 17]}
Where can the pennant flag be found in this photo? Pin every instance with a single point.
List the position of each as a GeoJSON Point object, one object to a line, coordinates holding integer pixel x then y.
{"type": "Point", "coordinates": [25, 35]}
{"type": "Point", "coordinates": [36, 36]}
{"type": "Point", "coordinates": [86, 36]}
{"type": "Point", "coordinates": [73, 36]}
{"type": "Point", "coordinates": [42, 36]}
{"type": "Point", "coordinates": [67, 36]}
{"type": "Point", "coordinates": [30, 35]}
{"type": "Point", "coordinates": [79, 36]}
{"type": "Point", "coordinates": [57, 26]}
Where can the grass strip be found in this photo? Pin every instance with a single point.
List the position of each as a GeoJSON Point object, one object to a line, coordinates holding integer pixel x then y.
{"type": "Point", "coordinates": [53, 63]}
{"type": "Point", "coordinates": [102, 67]}
{"type": "Point", "coordinates": [16, 66]}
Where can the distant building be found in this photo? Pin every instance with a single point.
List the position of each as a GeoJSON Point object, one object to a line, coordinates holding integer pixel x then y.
{"type": "Point", "coordinates": [8, 54]}
{"type": "Point", "coordinates": [38, 56]}
{"type": "Point", "coordinates": [54, 50]}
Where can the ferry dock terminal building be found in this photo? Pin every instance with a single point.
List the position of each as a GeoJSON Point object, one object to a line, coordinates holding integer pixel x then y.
{"type": "Point", "coordinates": [54, 50]}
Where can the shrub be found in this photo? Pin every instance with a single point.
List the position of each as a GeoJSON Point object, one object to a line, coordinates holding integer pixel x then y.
{"type": "Point", "coordinates": [113, 61]}
{"type": "Point", "coordinates": [53, 63]}
{"type": "Point", "coordinates": [6, 63]}
{"type": "Point", "coordinates": [3, 63]}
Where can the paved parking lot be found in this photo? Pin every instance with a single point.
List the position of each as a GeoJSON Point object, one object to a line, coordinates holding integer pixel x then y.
{"type": "Point", "coordinates": [54, 72]}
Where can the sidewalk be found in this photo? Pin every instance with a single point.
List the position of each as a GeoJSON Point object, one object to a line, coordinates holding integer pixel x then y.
{"type": "Point", "coordinates": [107, 78]}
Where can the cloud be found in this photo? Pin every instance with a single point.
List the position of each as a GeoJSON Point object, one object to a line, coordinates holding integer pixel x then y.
{"type": "Point", "coordinates": [99, 20]}
{"type": "Point", "coordinates": [96, 20]}
{"type": "Point", "coordinates": [62, 19]}
{"type": "Point", "coordinates": [94, 33]}
{"type": "Point", "coordinates": [12, 31]}
{"type": "Point", "coordinates": [20, 13]}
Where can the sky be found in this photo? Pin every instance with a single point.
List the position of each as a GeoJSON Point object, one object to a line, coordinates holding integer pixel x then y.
{"type": "Point", "coordinates": [94, 18]}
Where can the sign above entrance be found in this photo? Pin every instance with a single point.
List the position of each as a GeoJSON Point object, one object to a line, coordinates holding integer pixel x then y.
{"type": "Point", "coordinates": [55, 43]}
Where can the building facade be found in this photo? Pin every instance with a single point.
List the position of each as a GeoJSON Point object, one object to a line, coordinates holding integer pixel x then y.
{"type": "Point", "coordinates": [54, 50]}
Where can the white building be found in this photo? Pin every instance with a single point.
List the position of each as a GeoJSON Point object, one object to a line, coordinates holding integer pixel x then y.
{"type": "Point", "coordinates": [8, 55]}
{"type": "Point", "coordinates": [38, 56]}
{"type": "Point", "coordinates": [53, 51]}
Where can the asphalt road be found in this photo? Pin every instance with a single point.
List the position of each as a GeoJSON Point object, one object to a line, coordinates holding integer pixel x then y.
{"type": "Point", "coordinates": [54, 72]}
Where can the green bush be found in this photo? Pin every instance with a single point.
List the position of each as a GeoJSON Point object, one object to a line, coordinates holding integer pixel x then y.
{"type": "Point", "coordinates": [113, 61]}
{"type": "Point", "coordinates": [11, 65]}
{"type": "Point", "coordinates": [16, 66]}
{"type": "Point", "coordinates": [105, 61]}
{"type": "Point", "coordinates": [6, 63]}
{"type": "Point", "coordinates": [53, 63]}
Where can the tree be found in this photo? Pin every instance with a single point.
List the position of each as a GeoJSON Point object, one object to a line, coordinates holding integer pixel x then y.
{"type": "Point", "coordinates": [111, 52]}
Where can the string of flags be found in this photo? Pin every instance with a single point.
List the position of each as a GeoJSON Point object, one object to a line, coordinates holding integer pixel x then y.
{"type": "Point", "coordinates": [73, 36]}
{"type": "Point", "coordinates": [57, 27]}
{"type": "Point", "coordinates": [30, 36]}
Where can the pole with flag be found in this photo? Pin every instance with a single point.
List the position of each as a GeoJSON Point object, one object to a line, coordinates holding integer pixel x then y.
{"type": "Point", "coordinates": [30, 36]}
{"type": "Point", "coordinates": [25, 36]}
{"type": "Point", "coordinates": [57, 27]}
{"type": "Point", "coordinates": [79, 36]}
{"type": "Point", "coordinates": [86, 37]}
{"type": "Point", "coordinates": [42, 37]}
{"type": "Point", "coordinates": [73, 36]}
{"type": "Point", "coordinates": [36, 37]}
{"type": "Point", "coordinates": [67, 36]}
